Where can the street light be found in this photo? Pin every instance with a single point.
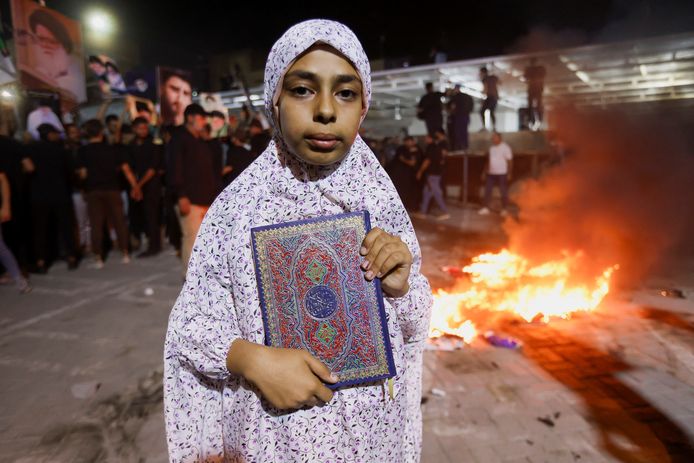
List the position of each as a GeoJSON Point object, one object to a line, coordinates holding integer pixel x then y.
{"type": "Point", "coordinates": [7, 95]}
{"type": "Point", "coordinates": [100, 22]}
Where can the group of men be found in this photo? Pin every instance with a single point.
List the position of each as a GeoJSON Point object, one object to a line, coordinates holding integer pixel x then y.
{"type": "Point", "coordinates": [84, 190]}
{"type": "Point", "coordinates": [459, 105]}
{"type": "Point", "coordinates": [418, 173]}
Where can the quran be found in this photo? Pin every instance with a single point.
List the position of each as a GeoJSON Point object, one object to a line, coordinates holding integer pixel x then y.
{"type": "Point", "coordinates": [314, 296]}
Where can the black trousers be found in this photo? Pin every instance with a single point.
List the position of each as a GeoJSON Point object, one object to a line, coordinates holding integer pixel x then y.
{"type": "Point", "coordinates": [535, 104]}
{"type": "Point", "coordinates": [173, 226]}
{"type": "Point", "coordinates": [105, 207]}
{"type": "Point", "coordinates": [145, 217]}
{"type": "Point", "coordinates": [489, 104]}
{"type": "Point", "coordinates": [433, 124]}
{"type": "Point", "coordinates": [44, 214]}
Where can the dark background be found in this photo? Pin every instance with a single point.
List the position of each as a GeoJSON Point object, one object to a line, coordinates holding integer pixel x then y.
{"type": "Point", "coordinates": [184, 33]}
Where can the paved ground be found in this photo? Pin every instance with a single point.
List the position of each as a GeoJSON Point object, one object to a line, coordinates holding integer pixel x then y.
{"type": "Point", "coordinates": [80, 369]}
{"type": "Point", "coordinates": [80, 364]}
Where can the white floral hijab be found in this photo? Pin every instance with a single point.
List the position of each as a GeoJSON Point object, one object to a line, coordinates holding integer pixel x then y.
{"type": "Point", "coordinates": [358, 181]}
{"type": "Point", "coordinates": [360, 160]}
{"type": "Point", "coordinates": [300, 38]}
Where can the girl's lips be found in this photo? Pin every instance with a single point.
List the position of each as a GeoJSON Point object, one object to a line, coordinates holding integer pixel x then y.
{"type": "Point", "coordinates": [322, 144]}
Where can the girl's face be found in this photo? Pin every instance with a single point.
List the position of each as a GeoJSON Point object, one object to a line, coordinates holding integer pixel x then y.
{"type": "Point", "coordinates": [320, 106]}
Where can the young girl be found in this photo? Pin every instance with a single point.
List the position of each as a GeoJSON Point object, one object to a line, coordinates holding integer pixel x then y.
{"type": "Point", "coordinates": [227, 396]}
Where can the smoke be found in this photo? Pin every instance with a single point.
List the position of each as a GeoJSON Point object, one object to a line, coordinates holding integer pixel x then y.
{"type": "Point", "coordinates": [623, 194]}
{"type": "Point", "coordinates": [622, 20]}
{"type": "Point", "coordinates": [542, 38]}
{"type": "Point", "coordinates": [646, 18]}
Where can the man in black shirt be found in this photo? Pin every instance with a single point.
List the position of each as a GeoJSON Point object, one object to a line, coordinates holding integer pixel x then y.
{"type": "Point", "coordinates": [145, 162]}
{"type": "Point", "coordinates": [432, 167]}
{"type": "Point", "coordinates": [6, 258]}
{"type": "Point", "coordinates": [259, 138]}
{"type": "Point", "coordinates": [73, 141]}
{"type": "Point", "coordinates": [113, 129]}
{"type": "Point", "coordinates": [195, 175]}
{"type": "Point", "coordinates": [238, 157]}
{"type": "Point", "coordinates": [100, 165]}
{"type": "Point", "coordinates": [460, 107]}
{"type": "Point", "coordinates": [50, 169]}
{"type": "Point", "coordinates": [491, 90]}
{"type": "Point", "coordinates": [18, 231]}
{"type": "Point", "coordinates": [403, 170]}
{"type": "Point", "coordinates": [172, 225]}
{"type": "Point", "coordinates": [430, 109]}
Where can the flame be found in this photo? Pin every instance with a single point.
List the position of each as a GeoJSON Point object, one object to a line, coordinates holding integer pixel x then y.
{"type": "Point", "coordinates": [506, 281]}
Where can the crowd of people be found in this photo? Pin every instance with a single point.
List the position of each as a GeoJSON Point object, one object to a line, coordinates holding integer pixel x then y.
{"type": "Point", "coordinates": [417, 169]}
{"type": "Point", "coordinates": [70, 192]}
{"type": "Point", "coordinates": [106, 185]}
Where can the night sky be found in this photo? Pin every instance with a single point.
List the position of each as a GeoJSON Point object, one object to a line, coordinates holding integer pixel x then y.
{"type": "Point", "coordinates": [190, 31]}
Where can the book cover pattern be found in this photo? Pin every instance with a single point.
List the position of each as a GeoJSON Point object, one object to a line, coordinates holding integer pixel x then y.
{"type": "Point", "coordinates": [314, 295]}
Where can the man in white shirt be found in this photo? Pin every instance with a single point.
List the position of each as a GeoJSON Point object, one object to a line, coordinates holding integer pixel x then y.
{"type": "Point", "coordinates": [498, 172]}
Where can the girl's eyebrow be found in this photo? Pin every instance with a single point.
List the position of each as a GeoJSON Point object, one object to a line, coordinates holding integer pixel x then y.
{"type": "Point", "coordinates": [345, 78]}
{"type": "Point", "coordinates": [307, 75]}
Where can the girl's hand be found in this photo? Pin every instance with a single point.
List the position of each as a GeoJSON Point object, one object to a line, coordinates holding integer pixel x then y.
{"type": "Point", "coordinates": [5, 215]}
{"type": "Point", "coordinates": [387, 258]}
{"type": "Point", "coordinates": [287, 378]}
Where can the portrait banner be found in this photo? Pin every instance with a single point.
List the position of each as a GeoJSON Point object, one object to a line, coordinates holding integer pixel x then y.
{"type": "Point", "coordinates": [48, 49]}
{"type": "Point", "coordinates": [175, 92]}
{"type": "Point", "coordinates": [108, 77]}
{"type": "Point", "coordinates": [213, 102]}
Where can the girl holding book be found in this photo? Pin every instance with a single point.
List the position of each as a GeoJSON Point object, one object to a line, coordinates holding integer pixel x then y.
{"type": "Point", "coordinates": [227, 396]}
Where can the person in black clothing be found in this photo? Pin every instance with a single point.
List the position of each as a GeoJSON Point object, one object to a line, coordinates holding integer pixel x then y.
{"type": "Point", "coordinates": [403, 170]}
{"type": "Point", "coordinates": [218, 124]}
{"type": "Point", "coordinates": [460, 107]}
{"type": "Point", "coordinates": [50, 169]}
{"type": "Point", "coordinates": [535, 77]}
{"type": "Point", "coordinates": [100, 165]}
{"type": "Point", "coordinates": [491, 90]}
{"type": "Point", "coordinates": [18, 231]}
{"type": "Point", "coordinates": [9, 263]}
{"type": "Point", "coordinates": [145, 162]}
{"type": "Point", "coordinates": [73, 137]}
{"type": "Point", "coordinates": [195, 175]}
{"type": "Point", "coordinates": [238, 157]}
{"type": "Point", "coordinates": [113, 129]}
{"type": "Point", "coordinates": [73, 141]}
{"type": "Point", "coordinates": [172, 225]}
{"type": "Point", "coordinates": [217, 148]}
{"type": "Point", "coordinates": [259, 138]}
{"type": "Point", "coordinates": [430, 109]}
{"type": "Point", "coordinates": [432, 168]}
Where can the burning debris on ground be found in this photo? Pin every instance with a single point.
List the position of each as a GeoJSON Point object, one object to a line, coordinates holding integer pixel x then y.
{"type": "Point", "coordinates": [676, 293]}
{"type": "Point", "coordinates": [606, 212]}
{"type": "Point", "coordinates": [606, 368]}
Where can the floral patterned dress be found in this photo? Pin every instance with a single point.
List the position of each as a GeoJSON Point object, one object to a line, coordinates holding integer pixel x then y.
{"type": "Point", "coordinates": [213, 415]}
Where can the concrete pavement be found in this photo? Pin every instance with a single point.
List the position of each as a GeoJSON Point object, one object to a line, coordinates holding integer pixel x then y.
{"type": "Point", "coordinates": [81, 360]}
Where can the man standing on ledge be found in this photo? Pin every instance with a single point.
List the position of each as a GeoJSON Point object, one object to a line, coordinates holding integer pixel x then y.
{"type": "Point", "coordinates": [195, 175]}
{"type": "Point", "coordinates": [430, 109]}
{"type": "Point", "coordinates": [491, 91]}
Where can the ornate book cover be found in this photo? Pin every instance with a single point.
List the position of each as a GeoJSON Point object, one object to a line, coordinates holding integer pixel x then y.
{"type": "Point", "coordinates": [314, 296]}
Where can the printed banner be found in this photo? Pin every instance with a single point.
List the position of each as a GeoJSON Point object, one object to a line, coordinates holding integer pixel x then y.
{"type": "Point", "coordinates": [48, 48]}
{"type": "Point", "coordinates": [175, 94]}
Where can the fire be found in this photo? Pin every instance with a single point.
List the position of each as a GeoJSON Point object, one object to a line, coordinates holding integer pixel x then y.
{"type": "Point", "coordinates": [508, 282]}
